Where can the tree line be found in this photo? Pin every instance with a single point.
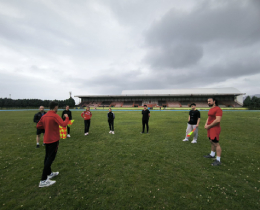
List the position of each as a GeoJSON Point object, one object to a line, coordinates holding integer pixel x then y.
{"type": "Point", "coordinates": [252, 102]}
{"type": "Point", "coordinates": [33, 103]}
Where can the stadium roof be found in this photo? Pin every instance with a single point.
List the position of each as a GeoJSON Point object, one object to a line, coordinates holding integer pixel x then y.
{"type": "Point", "coordinates": [192, 91]}
{"type": "Point", "coordinates": [174, 92]}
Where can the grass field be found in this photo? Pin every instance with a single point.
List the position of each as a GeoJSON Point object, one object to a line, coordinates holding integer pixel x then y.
{"type": "Point", "coordinates": [130, 170]}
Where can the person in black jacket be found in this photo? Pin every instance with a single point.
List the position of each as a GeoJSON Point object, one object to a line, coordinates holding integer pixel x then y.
{"type": "Point", "coordinates": [146, 115]}
{"type": "Point", "coordinates": [36, 119]}
{"type": "Point", "coordinates": [111, 117]}
{"type": "Point", "coordinates": [68, 112]}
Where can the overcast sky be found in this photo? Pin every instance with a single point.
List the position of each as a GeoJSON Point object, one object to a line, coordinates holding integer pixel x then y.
{"type": "Point", "coordinates": [49, 48]}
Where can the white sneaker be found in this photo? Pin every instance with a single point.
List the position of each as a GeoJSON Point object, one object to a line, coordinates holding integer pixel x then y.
{"type": "Point", "coordinates": [53, 174]}
{"type": "Point", "coordinates": [68, 135]}
{"type": "Point", "coordinates": [113, 132]}
{"type": "Point", "coordinates": [194, 141]}
{"type": "Point", "coordinates": [46, 183]}
{"type": "Point", "coordinates": [86, 134]}
{"type": "Point", "coordinates": [185, 140]}
{"type": "Point", "coordinates": [110, 131]}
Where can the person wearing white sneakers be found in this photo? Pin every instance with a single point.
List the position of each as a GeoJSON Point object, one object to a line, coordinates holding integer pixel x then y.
{"type": "Point", "coordinates": [50, 122]}
{"type": "Point", "coordinates": [111, 117]}
{"type": "Point", "coordinates": [68, 112]}
{"type": "Point", "coordinates": [193, 122]}
{"type": "Point", "coordinates": [86, 115]}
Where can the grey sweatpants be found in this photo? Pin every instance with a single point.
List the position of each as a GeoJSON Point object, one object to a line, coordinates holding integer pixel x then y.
{"type": "Point", "coordinates": [189, 129]}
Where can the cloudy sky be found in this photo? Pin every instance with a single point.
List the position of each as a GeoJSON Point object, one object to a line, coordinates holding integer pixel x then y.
{"type": "Point", "coordinates": [49, 48]}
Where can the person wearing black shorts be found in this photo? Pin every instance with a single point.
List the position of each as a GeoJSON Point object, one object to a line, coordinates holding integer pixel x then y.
{"type": "Point", "coordinates": [36, 119]}
{"type": "Point", "coordinates": [68, 112]}
{"type": "Point", "coordinates": [145, 119]}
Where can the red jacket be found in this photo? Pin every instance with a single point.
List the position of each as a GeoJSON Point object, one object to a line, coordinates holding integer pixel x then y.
{"type": "Point", "coordinates": [86, 115]}
{"type": "Point", "coordinates": [50, 122]}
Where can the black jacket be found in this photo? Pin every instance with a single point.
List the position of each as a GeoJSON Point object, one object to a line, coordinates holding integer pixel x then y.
{"type": "Point", "coordinates": [110, 116]}
{"type": "Point", "coordinates": [38, 116]}
{"type": "Point", "coordinates": [68, 113]}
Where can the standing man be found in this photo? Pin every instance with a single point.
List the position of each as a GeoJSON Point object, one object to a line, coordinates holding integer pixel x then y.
{"type": "Point", "coordinates": [145, 119]}
{"type": "Point", "coordinates": [213, 126]}
{"type": "Point", "coordinates": [50, 122]}
{"type": "Point", "coordinates": [111, 117]}
{"type": "Point", "coordinates": [36, 119]}
{"type": "Point", "coordinates": [68, 112]}
{"type": "Point", "coordinates": [86, 115]}
{"type": "Point", "coordinates": [193, 122]}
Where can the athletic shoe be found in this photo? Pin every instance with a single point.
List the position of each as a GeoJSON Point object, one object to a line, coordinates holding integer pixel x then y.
{"type": "Point", "coordinates": [68, 135]}
{"type": "Point", "coordinates": [110, 131]}
{"type": "Point", "coordinates": [185, 140]}
{"type": "Point", "coordinates": [216, 163]}
{"type": "Point", "coordinates": [113, 132]}
{"type": "Point", "coordinates": [86, 134]}
{"type": "Point", "coordinates": [53, 174]}
{"type": "Point", "coordinates": [37, 146]}
{"type": "Point", "coordinates": [208, 156]}
{"type": "Point", "coordinates": [142, 132]}
{"type": "Point", "coordinates": [147, 133]}
{"type": "Point", "coordinates": [46, 183]}
{"type": "Point", "coordinates": [194, 141]}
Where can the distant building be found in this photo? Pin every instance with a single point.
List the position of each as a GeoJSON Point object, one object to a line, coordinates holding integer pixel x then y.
{"type": "Point", "coordinates": [227, 97]}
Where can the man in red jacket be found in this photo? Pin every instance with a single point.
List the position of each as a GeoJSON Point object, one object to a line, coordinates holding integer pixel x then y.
{"type": "Point", "coordinates": [50, 122]}
{"type": "Point", "coordinates": [86, 115]}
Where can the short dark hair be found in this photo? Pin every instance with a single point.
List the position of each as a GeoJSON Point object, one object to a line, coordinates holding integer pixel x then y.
{"type": "Point", "coordinates": [214, 99]}
{"type": "Point", "coordinates": [53, 104]}
{"type": "Point", "coordinates": [145, 105]}
{"type": "Point", "coordinates": [67, 105]}
{"type": "Point", "coordinates": [192, 104]}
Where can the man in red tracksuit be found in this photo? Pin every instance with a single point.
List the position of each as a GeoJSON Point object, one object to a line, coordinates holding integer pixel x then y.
{"type": "Point", "coordinates": [86, 115]}
{"type": "Point", "coordinates": [50, 122]}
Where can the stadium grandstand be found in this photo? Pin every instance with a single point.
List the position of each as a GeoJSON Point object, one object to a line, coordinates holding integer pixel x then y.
{"type": "Point", "coordinates": [174, 98]}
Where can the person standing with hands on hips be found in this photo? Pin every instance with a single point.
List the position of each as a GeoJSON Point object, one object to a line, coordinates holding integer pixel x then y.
{"type": "Point", "coordinates": [68, 112]}
{"type": "Point", "coordinates": [86, 115]}
{"type": "Point", "coordinates": [50, 122]}
{"type": "Point", "coordinates": [111, 117]}
{"type": "Point", "coordinates": [145, 119]}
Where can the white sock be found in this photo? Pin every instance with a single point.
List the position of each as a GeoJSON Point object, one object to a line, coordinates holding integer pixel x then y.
{"type": "Point", "coordinates": [37, 143]}
{"type": "Point", "coordinates": [218, 158]}
{"type": "Point", "coordinates": [212, 154]}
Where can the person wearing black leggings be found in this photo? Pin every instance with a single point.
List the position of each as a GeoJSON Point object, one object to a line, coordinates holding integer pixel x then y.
{"type": "Point", "coordinates": [145, 119]}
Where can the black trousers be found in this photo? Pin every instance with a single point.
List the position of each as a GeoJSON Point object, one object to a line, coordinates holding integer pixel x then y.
{"type": "Point", "coordinates": [50, 154]}
{"type": "Point", "coordinates": [145, 122]}
{"type": "Point", "coordinates": [87, 125]}
{"type": "Point", "coordinates": [68, 130]}
{"type": "Point", "coordinates": [111, 125]}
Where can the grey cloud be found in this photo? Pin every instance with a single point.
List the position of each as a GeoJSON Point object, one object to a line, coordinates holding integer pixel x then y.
{"type": "Point", "coordinates": [176, 55]}
{"type": "Point", "coordinates": [229, 21]}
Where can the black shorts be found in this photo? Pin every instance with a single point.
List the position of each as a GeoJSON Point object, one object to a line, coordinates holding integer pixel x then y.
{"type": "Point", "coordinates": [214, 140]}
{"type": "Point", "coordinates": [39, 131]}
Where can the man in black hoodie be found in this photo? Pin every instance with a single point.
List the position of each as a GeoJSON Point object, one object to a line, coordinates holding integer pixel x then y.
{"type": "Point", "coordinates": [36, 119]}
{"type": "Point", "coordinates": [68, 112]}
{"type": "Point", "coordinates": [111, 117]}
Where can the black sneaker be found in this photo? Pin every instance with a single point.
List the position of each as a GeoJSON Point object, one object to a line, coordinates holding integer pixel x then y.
{"type": "Point", "coordinates": [37, 146]}
{"type": "Point", "coordinates": [208, 156]}
{"type": "Point", "coordinates": [216, 163]}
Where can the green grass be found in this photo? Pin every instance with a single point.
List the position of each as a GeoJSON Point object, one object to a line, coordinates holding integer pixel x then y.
{"type": "Point", "coordinates": [130, 170]}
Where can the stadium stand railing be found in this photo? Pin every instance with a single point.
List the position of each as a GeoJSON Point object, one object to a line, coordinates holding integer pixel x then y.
{"type": "Point", "coordinates": [173, 104]}
{"type": "Point", "coordinates": [128, 104]}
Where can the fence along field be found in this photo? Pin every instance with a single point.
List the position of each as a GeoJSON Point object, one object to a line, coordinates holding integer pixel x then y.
{"type": "Point", "coordinates": [130, 170]}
